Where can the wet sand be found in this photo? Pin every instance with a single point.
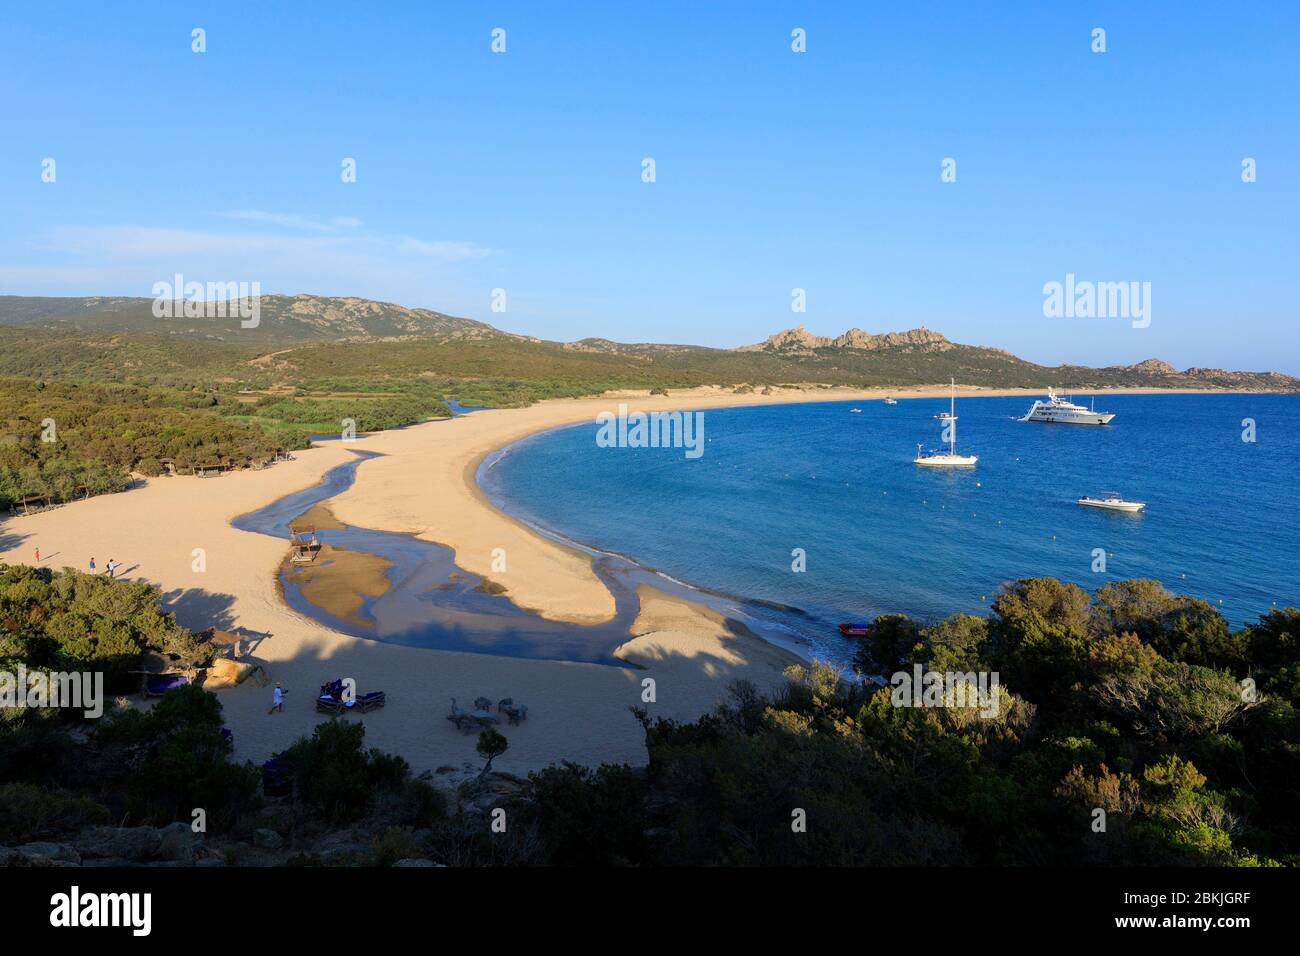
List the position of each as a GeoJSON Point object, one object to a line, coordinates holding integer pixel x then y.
{"type": "Point", "coordinates": [340, 580]}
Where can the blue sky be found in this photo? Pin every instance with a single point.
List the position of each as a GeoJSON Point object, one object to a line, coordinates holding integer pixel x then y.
{"type": "Point", "coordinates": [775, 170]}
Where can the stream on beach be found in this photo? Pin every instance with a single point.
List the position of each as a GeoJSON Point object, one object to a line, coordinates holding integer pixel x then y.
{"type": "Point", "coordinates": [431, 602]}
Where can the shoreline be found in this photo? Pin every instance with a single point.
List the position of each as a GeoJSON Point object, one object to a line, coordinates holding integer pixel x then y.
{"type": "Point", "coordinates": [423, 484]}
{"type": "Point", "coordinates": [557, 584]}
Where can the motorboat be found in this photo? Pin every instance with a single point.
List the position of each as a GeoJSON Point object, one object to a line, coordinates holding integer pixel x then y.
{"type": "Point", "coordinates": [1060, 411]}
{"type": "Point", "coordinates": [1112, 501]}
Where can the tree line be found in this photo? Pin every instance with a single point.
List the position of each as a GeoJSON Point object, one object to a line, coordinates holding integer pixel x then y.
{"type": "Point", "coordinates": [65, 440]}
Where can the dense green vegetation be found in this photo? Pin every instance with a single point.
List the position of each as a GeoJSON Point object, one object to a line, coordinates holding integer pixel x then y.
{"type": "Point", "coordinates": [60, 771]}
{"type": "Point", "coordinates": [146, 767]}
{"type": "Point", "coordinates": [173, 361]}
{"type": "Point", "coordinates": [1136, 702]}
{"type": "Point", "coordinates": [70, 621]}
{"type": "Point", "coordinates": [337, 778]}
{"type": "Point", "coordinates": [68, 440]}
{"type": "Point", "coordinates": [326, 416]}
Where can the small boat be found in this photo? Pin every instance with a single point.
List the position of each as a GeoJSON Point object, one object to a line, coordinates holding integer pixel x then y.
{"type": "Point", "coordinates": [856, 411]}
{"type": "Point", "coordinates": [891, 401]}
{"type": "Point", "coordinates": [1112, 501]}
{"type": "Point", "coordinates": [950, 458]}
{"type": "Point", "coordinates": [853, 630]}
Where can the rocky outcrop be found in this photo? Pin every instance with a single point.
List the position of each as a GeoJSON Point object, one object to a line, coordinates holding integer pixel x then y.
{"type": "Point", "coordinates": [223, 673]}
{"type": "Point", "coordinates": [631, 349]}
{"type": "Point", "coordinates": [173, 845]}
{"type": "Point", "coordinates": [179, 843]}
{"type": "Point", "coordinates": [122, 843]}
{"type": "Point", "coordinates": [43, 854]}
{"type": "Point", "coordinates": [1152, 366]}
{"type": "Point", "coordinates": [857, 339]}
{"type": "Point", "coordinates": [344, 854]}
{"type": "Point", "coordinates": [267, 839]}
{"type": "Point", "coordinates": [799, 340]}
{"type": "Point", "coordinates": [1260, 381]}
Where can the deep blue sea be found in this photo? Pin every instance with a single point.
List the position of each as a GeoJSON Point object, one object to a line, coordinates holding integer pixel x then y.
{"type": "Point", "coordinates": [883, 535]}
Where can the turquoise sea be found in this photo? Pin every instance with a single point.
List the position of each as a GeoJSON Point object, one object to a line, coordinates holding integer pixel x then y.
{"type": "Point", "coordinates": [883, 535]}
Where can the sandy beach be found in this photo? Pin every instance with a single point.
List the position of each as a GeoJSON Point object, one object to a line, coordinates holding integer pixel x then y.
{"type": "Point", "coordinates": [423, 484]}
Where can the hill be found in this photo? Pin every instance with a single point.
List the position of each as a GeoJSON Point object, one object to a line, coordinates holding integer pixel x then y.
{"type": "Point", "coordinates": [321, 342]}
{"type": "Point", "coordinates": [922, 356]}
{"type": "Point", "coordinates": [298, 318]}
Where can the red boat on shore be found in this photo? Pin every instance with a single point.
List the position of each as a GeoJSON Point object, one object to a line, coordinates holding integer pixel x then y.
{"type": "Point", "coordinates": [853, 630]}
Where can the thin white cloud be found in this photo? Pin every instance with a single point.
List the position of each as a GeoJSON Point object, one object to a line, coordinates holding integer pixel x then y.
{"type": "Point", "coordinates": [126, 243]}
{"type": "Point", "coordinates": [448, 251]}
{"type": "Point", "coordinates": [294, 221]}
{"type": "Point", "coordinates": [128, 259]}
{"type": "Point", "coordinates": [54, 276]}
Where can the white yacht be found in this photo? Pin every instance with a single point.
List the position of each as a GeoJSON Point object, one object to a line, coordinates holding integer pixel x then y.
{"type": "Point", "coordinates": [950, 458]}
{"type": "Point", "coordinates": [1058, 410]}
{"type": "Point", "coordinates": [889, 400]}
{"type": "Point", "coordinates": [1112, 501]}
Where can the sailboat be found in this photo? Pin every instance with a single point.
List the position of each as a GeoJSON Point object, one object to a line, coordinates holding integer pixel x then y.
{"type": "Point", "coordinates": [950, 458]}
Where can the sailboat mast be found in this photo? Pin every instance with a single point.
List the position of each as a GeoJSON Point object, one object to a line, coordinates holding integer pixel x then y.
{"type": "Point", "coordinates": [952, 413]}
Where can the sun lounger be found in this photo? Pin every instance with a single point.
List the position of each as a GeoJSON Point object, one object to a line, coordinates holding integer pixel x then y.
{"type": "Point", "coordinates": [328, 705]}
{"type": "Point", "coordinates": [482, 703]}
{"type": "Point", "coordinates": [368, 702]}
{"type": "Point", "coordinates": [462, 722]}
{"type": "Point", "coordinates": [157, 686]}
{"type": "Point", "coordinates": [516, 713]}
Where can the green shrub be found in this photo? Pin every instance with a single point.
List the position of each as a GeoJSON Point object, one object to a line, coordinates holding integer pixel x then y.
{"type": "Point", "coordinates": [395, 843]}
{"type": "Point", "coordinates": [336, 776]}
{"type": "Point", "coordinates": [28, 812]}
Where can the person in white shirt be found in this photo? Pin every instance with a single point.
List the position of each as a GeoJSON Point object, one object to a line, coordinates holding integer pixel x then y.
{"type": "Point", "coordinates": [278, 699]}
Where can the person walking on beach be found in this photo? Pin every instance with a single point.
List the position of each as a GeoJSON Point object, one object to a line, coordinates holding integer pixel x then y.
{"type": "Point", "coordinates": [111, 567]}
{"type": "Point", "coordinates": [277, 697]}
{"type": "Point", "coordinates": [38, 555]}
{"type": "Point", "coordinates": [92, 565]}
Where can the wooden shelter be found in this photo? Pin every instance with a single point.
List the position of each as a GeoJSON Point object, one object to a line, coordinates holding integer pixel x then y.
{"type": "Point", "coordinates": [228, 643]}
{"type": "Point", "coordinates": [31, 505]}
{"type": "Point", "coordinates": [304, 545]}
